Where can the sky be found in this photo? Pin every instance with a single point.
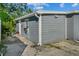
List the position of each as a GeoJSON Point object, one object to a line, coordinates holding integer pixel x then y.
{"type": "Point", "coordinates": [54, 6]}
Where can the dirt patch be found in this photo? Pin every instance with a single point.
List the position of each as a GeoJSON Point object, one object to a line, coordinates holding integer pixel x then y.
{"type": "Point", "coordinates": [63, 48]}
{"type": "Point", "coordinates": [24, 40]}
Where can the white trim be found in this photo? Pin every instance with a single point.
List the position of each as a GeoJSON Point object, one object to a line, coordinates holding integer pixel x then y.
{"type": "Point", "coordinates": [19, 27]}
{"type": "Point", "coordinates": [36, 15]}
{"type": "Point", "coordinates": [65, 28]}
{"type": "Point", "coordinates": [40, 30]}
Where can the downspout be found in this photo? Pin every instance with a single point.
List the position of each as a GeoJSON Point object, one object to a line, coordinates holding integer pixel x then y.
{"type": "Point", "coordinates": [40, 29]}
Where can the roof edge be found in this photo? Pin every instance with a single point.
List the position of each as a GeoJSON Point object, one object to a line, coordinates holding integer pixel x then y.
{"type": "Point", "coordinates": [25, 16]}
{"type": "Point", "coordinates": [46, 12]}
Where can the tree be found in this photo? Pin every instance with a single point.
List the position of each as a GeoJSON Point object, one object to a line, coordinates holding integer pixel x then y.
{"type": "Point", "coordinates": [17, 10]}
{"type": "Point", "coordinates": [8, 12]}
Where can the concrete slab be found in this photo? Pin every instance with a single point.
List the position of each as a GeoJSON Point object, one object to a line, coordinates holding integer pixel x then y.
{"type": "Point", "coordinates": [14, 49]}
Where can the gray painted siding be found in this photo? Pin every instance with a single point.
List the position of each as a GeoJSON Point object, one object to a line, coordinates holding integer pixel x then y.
{"type": "Point", "coordinates": [53, 28]}
{"type": "Point", "coordinates": [76, 27]}
{"type": "Point", "coordinates": [33, 30]}
{"type": "Point", "coordinates": [70, 27]}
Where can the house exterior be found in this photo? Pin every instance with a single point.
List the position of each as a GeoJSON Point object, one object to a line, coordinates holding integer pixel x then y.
{"type": "Point", "coordinates": [43, 27]}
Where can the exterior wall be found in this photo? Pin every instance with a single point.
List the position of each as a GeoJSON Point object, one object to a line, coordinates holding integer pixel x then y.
{"type": "Point", "coordinates": [33, 30]}
{"type": "Point", "coordinates": [31, 27]}
{"type": "Point", "coordinates": [70, 26]}
{"type": "Point", "coordinates": [53, 28]}
{"type": "Point", "coordinates": [76, 27]}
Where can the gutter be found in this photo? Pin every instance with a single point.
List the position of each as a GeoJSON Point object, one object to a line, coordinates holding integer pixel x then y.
{"type": "Point", "coordinates": [25, 16]}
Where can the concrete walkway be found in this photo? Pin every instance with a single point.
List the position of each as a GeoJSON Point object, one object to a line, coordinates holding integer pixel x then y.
{"type": "Point", "coordinates": [14, 47]}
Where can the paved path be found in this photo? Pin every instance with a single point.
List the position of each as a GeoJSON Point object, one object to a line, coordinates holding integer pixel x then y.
{"type": "Point", "coordinates": [14, 47]}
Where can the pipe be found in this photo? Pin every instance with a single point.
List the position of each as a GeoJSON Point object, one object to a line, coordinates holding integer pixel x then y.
{"type": "Point", "coordinates": [40, 29]}
{"type": "Point", "coordinates": [36, 15]}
